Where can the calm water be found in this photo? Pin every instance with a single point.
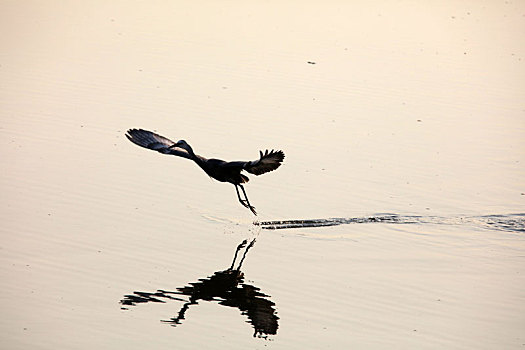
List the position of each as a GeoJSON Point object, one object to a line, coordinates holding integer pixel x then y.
{"type": "Point", "coordinates": [396, 221]}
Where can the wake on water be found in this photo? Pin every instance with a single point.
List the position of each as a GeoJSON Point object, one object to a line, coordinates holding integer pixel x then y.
{"type": "Point", "coordinates": [508, 222]}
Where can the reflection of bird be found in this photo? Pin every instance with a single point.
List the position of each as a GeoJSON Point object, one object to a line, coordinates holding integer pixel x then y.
{"type": "Point", "coordinates": [218, 169]}
{"type": "Point", "coordinates": [225, 287]}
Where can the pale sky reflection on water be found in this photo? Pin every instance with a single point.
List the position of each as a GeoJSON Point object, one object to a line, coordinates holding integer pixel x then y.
{"type": "Point", "coordinates": [409, 109]}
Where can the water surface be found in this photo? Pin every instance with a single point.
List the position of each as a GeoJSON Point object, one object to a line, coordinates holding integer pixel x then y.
{"type": "Point", "coordinates": [396, 219]}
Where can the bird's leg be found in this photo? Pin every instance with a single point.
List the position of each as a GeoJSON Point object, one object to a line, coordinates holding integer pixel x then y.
{"type": "Point", "coordinates": [243, 201]}
{"type": "Point", "coordinates": [248, 205]}
{"type": "Point", "coordinates": [245, 252]}
{"type": "Point", "coordinates": [239, 247]}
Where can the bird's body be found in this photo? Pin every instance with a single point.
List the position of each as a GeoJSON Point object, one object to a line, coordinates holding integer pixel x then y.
{"type": "Point", "coordinates": [225, 171]}
{"type": "Point", "coordinates": [218, 169]}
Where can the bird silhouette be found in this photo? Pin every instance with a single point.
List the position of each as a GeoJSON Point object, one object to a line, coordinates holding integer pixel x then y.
{"type": "Point", "coordinates": [217, 169]}
{"type": "Point", "coordinates": [227, 288]}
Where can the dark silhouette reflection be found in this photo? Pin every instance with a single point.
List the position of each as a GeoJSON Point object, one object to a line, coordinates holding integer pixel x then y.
{"type": "Point", "coordinates": [228, 288]}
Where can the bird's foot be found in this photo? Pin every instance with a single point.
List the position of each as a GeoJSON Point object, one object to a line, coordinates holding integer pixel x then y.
{"type": "Point", "coordinates": [246, 204]}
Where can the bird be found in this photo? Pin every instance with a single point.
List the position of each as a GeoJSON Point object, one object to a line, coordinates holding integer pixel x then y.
{"type": "Point", "coordinates": [217, 169]}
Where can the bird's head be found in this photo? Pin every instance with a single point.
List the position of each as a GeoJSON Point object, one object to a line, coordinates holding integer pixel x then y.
{"type": "Point", "coordinates": [181, 144]}
{"type": "Point", "coordinates": [184, 145]}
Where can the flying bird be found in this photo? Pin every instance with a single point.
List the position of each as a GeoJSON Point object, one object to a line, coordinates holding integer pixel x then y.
{"type": "Point", "coordinates": [218, 169]}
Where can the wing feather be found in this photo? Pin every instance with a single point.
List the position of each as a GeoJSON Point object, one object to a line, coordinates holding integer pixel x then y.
{"type": "Point", "coordinates": [267, 161]}
{"type": "Point", "coordinates": [155, 142]}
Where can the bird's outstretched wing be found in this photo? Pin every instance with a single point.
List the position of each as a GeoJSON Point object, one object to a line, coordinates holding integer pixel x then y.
{"type": "Point", "coordinates": [150, 140]}
{"type": "Point", "coordinates": [268, 161]}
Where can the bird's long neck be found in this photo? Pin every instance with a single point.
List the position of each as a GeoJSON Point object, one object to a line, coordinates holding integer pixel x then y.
{"type": "Point", "coordinates": [196, 158]}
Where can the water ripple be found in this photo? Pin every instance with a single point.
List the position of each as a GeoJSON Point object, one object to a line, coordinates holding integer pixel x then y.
{"type": "Point", "coordinates": [508, 223]}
